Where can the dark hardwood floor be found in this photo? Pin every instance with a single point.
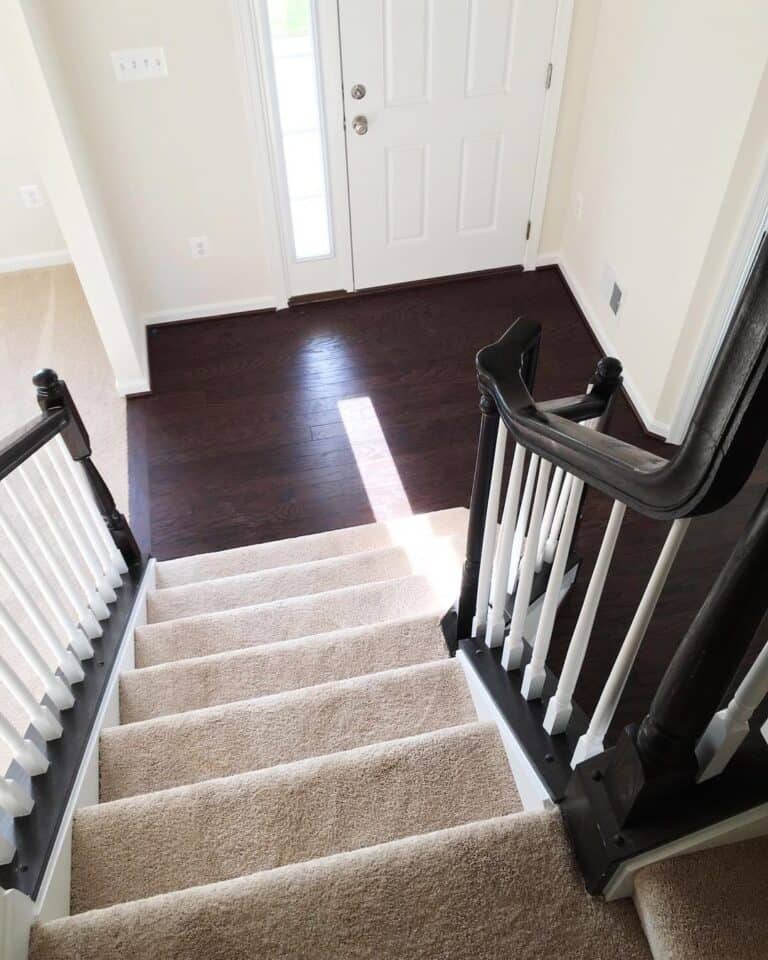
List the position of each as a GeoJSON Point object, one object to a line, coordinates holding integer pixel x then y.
{"type": "Point", "coordinates": [242, 439]}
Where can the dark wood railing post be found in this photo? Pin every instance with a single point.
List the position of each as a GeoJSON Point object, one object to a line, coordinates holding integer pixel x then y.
{"type": "Point", "coordinates": [654, 761]}
{"type": "Point", "coordinates": [53, 394]}
{"type": "Point", "coordinates": [478, 505]}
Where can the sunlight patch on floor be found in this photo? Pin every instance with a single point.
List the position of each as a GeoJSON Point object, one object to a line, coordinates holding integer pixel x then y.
{"type": "Point", "coordinates": [429, 555]}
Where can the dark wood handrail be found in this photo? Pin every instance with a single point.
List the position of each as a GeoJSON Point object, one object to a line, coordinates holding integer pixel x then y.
{"type": "Point", "coordinates": [27, 440]}
{"type": "Point", "coordinates": [728, 430]}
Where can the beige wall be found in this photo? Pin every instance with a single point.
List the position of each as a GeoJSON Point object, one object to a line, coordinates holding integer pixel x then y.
{"type": "Point", "coordinates": [670, 89]}
{"type": "Point", "coordinates": [26, 235]}
{"type": "Point", "coordinates": [172, 156]}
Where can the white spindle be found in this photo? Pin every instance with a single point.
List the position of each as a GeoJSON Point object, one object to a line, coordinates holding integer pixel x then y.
{"type": "Point", "coordinates": [40, 716]}
{"type": "Point", "coordinates": [65, 659]}
{"type": "Point", "coordinates": [494, 632]}
{"type": "Point", "coordinates": [728, 728]}
{"type": "Point", "coordinates": [92, 597]}
{"type": "Point", "coordinates": [24, 752]}
{"type": "Point", "coordinates": [550, 545]}
{"type": "Point", "coordinates": [88, 624]}
{"type": "Point", "coordinates": [513, 645]}
{"type": "Point", "coordinates": [560, 706]}
{"type": "Point", "coordinates": [77, 471]}
{"type": "Point", "coordinates": [522, 522]}
{"type": "Point", "coordinates": [73, 498]}
{"type": "Point", "coordinates": [54, 686]}
{"type": "Point", "coordinates": [535, 673]}
{"type": "Point", "coordinates": [591, 743]}
{"type": "Point", "coordinates": [75, 638]}
{"type": "Point", "coordinates": [14, 799]}
{"type": "Point", "coordinates": [489, 533]}
{"type": "Point", "coordinates": [72, 523]}
{"type": "Point", "coordinates": [553, 498]}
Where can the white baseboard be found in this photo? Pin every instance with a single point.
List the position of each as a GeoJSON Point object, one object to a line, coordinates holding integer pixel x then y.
{"type": "Point", "coordinates": [129, 388]}
{"type": "Point", "coordinates": [547, 260]}
{"type": "Point", "coordinates": [642, 409]}
{"type": "Point", "coordinates": [200, 310]}
{"type": "Point", "coordinates": [34, 261]}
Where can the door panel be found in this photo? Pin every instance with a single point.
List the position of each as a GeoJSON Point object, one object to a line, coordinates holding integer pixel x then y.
{"type": "Point", "coordinates": [441, 182]}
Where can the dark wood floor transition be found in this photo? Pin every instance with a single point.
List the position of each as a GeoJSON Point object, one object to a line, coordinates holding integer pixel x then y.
{"type": "Point", "coordinates": [243, 441]}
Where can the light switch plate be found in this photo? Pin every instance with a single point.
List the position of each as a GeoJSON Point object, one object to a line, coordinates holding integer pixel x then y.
{"type": "Point", "coordinates": [146, 63]}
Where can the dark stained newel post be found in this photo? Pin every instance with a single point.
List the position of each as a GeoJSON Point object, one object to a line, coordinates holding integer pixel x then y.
{"type": "Point", "coordinates": [53, 394]}
{"type": "Point", "coordinates": [478, 505]}
{"type": "Point", "coordinates": [653, 762]}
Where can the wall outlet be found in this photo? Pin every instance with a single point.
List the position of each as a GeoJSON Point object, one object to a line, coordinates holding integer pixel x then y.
{"type": "Point", "coordinates": [148, 63]}
{"type": "Point", "coordinates": [199, 247]}
{"type": "Point", "coordinates": [31, 196]}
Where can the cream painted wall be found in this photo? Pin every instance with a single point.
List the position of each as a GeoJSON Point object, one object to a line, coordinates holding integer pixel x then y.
{"type": "Point", "coordinates": [28, 237]}
{"type": "Point", "coordinates": [670, 89]}
{"type": "Point", "coordinates": [586, 14]}
{"type": "Point", "coordinates": [173, 155]}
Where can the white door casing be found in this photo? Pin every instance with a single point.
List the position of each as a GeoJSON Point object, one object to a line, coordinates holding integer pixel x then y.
{"type": "Point", "coordinates": [441, 182]}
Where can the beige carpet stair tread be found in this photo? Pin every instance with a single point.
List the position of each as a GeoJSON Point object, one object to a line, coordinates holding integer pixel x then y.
{"type": "Point", "coordinates": [709, 905]}
{"type": "Point", "coordinates": [250, 735]}
{"type": "Point", "coordinates": [228, 630]}
{"type": "Point", "coordinates": [236, 826]}
{"type": "Point", "coordinates": [318, 546]}
{"type": "Point", "coordinates": [277, 667]}
{"type": "Point", "coordinates": [317, 576]}
{"type": "Point", "coordinates": [487, 890]}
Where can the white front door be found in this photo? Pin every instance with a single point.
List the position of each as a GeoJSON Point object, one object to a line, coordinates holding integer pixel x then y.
{"type": "Point", "coordinates": [443, 135]}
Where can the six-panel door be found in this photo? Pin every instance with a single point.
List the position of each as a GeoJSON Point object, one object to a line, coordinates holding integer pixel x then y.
{"type": "Point", "coordinates": [442, 146]}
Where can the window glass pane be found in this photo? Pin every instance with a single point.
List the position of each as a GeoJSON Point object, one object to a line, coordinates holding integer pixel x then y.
{"type": "Point", "coordinates": [294, 54]}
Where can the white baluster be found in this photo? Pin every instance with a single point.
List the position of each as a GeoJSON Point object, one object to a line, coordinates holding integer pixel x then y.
{"type": "Point", "coordinates": [40, 716]}
{"type": "Point", "coordinates": [77, 470]}
{"type": "Point", "coordinates": [75, 638]}
{"type": "Point", "coordinates": [522, 522]}
{"type": "Point", "coordinates": [591, 743]}
{"type": "Point", "coordinates": [560, 706]}
{"type": "Point", "coordinates": [728, 728]}
{"type": "Point", "coordinates": [550, 546]}
{"type": "Point", "coordinates": [494, 632]}
{"type": "Point", "coordinates": [71, 496]}
{"type": "Point", "coordinates": [92, 596]}
{"type": "Point", "coordinates": [72, 524]}
{"type": "Point", "coordinates": [14, 799]}
{"type": "Point", "coordinates": [513, 645]}
{"type": "Point", "coordinates": [535, 673]}
{"type": "Point", "coordinates": [549, 515]}
{"type": "Point", "coordinates": [489, 533]}
{"type": "Point", "coordinates": [25, 752]}
{"type": "Point", "coordinates": [88, 624]}
{"type": "Point", "coordinates": [65, 659]}
{"type": "Point", "coordinates": [54, 686]}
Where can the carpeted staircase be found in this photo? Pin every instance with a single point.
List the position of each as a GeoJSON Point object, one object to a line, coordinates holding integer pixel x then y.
{"type": "Point", "coordinates": [300, 773]}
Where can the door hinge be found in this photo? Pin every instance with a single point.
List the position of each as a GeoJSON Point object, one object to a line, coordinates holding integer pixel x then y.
{"type": "Point", "coordinates": [548, 81]}
{"type": "Point", "coordinates": [528, 231]}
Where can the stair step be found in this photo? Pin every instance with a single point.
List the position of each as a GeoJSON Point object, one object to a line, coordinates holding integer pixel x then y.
{"type": "Point", "coordinates": [228, 630]}
{"type": "Point", "coordinates": [185, 685]}
{"type": "Point", "coordinates": [504, 887]}
{"type": "Point", "coordinates": [687, 916]}
{"type": "Point", "coordinates": [304, 579]}
{"type": "Point", "coordinates": [249, 735]}
{"type": "Point", "coordinates": [235, 826]}
{"type": "Point", "coordinates": [318, 546]}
